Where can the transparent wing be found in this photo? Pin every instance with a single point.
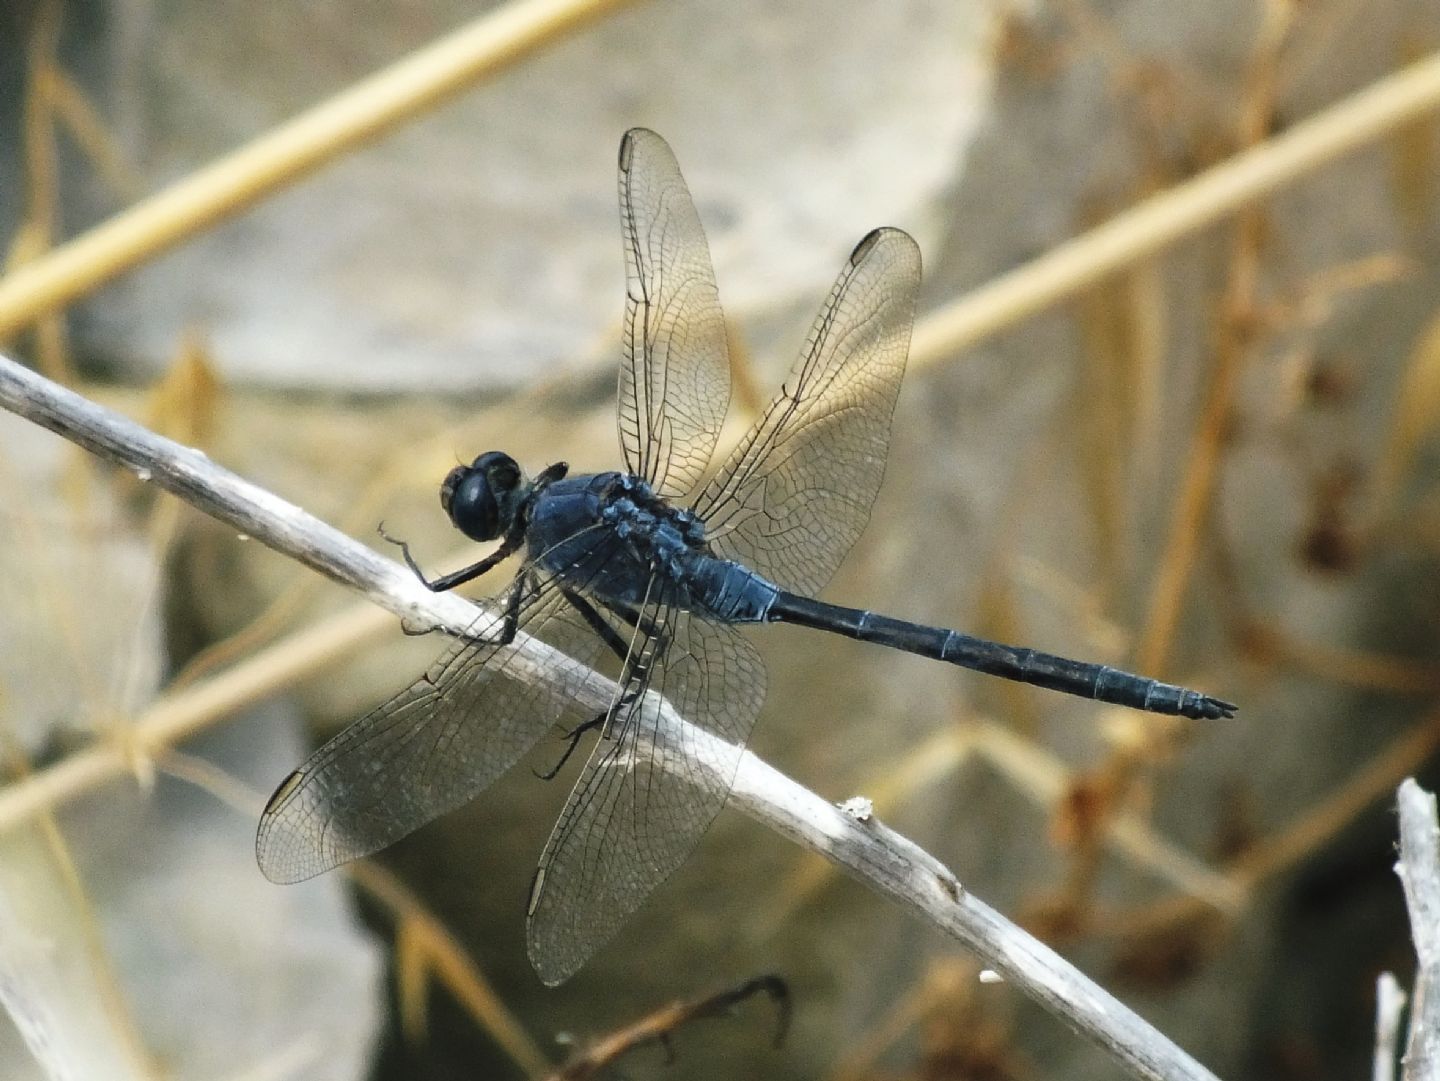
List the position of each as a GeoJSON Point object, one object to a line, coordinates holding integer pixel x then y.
{"type": "Point", "coordinates": [675, 363]}
{"type": "Point", "coordinates": [641, 805]}
{"type": "Point", "coordinates": [431, 748]}
{"type": "Point", "coordinates": [796, 492]}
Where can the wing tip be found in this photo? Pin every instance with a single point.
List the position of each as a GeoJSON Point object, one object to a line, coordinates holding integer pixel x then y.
{"type": "Point", "coordinates": [630, 139]}
{"type": "Point", "coordinates": [552, 968]}
{"type": "Point", "coordinates": [275, 868]}
{"type": "Point", "coordinates": [888, 235]}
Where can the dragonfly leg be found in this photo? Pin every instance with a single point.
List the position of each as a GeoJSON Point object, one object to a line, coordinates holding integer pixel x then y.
{"type": "Point", "coordinates": [617, 645]}
{"type": "Point", "coordinates": [514, 596]}
{"type": "Point", "coordinates": [512, 607]}
{"type": "Point", "coordinates": [573, 738]}
{"type": "Point", "coordinates": [645, 626]}
{"type": "Point", "coordinates": [621, 649]}
{"type": "Point", "coordinates": [656, 642]}
{"type": "Point", "coordinates": [465, 574]}
{"type": "Point", "coordinates": [601, 721]}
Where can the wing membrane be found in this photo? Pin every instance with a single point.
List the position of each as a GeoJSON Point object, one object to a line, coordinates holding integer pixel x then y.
{"type": "Point", "coordinates": [431, 748]}
{"type": "Point", "coordinates": [675, 363]}
{"type": "Point", "coordinates": [641, 804]}
{"type": "Point", "coordinates": [796, 492]}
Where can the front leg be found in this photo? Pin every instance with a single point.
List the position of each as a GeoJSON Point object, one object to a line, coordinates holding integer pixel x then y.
{"type": "Point", "coordinates": [449, 581]}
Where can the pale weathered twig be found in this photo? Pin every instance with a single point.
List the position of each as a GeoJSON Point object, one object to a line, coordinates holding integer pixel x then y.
{"type": "Point", "coordinates": [1419, 871]}
{"type": "Point", "coordinates": [867, 849]}
{"type": "Point", "coordinates": [1389, 1004]}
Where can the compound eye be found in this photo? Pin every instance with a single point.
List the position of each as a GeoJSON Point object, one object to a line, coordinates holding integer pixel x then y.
{"type": "Point", "coordinates": [473, 507]}
{"type": "Point", "coordinates": [450, 483]}
{"type": "Point", "coordinates": [503, 471]}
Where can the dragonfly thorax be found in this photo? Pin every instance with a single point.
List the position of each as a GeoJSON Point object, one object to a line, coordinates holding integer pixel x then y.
{"type": "Point", "coordinates": [633, 509]}
{"type": "Point", "coordinates": [658, 534]}
{"type": "Point", "coordinates": [609, 534]}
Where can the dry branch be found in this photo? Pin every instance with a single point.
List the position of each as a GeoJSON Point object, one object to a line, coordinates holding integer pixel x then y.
{"type": "Point", "coordinates": [1389, 1004]}
{"type": "Point", "coordinates": [867, 850]}
{"type": "Point", "coordinates": [1419, 871]}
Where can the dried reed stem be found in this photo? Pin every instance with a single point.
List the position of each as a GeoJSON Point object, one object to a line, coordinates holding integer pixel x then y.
{"type": "Point", "coordinates": [283, 155]}
{"type": "Point", "coordinates": [1379, 110]}
{"type": "Point", "coordinates": [440, 952]}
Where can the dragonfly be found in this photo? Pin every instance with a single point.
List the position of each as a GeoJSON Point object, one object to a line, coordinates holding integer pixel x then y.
{"type": "Point", "coordinates": [655, 569]}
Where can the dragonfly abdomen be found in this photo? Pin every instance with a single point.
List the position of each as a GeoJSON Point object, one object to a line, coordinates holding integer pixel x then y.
{"type": "Point", "coordinates": [1096, 681]}
{"type": "Point", "coordinates": [730, 592]}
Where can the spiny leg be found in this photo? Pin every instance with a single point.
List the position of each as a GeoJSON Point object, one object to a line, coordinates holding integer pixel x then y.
{"type": "Point", "coordinates": [617, 646]}
{"type": "Point", "coordinates": [572, 738]}
{"type": "Point", "coordinates": [597, 623]}
{"type": "Point", "coordinates": [658, 642]}
{"type": "Point", "coordinates": [523, 581]}
{"type": "Point", "coordinates": [465, 574]}
{"type": "Point", "coordinates": [621, 649]}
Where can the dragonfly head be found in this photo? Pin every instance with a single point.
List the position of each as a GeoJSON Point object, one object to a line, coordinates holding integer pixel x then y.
{"type": "Point", "coordinates": [483, 498]}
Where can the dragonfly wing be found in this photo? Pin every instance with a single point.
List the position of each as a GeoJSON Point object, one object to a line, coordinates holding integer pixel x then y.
{"type": "Point", "coordinates": [796, 493]}
{"type": "Point", "coordinates": [432, 747]}
{"type": "Point", "coordinates": [643, 802]}
{"type": "Point", "coordinates": [675, 362]}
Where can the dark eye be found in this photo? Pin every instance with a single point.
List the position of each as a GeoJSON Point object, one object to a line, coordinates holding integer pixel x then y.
{"type": "Point", "coordinates": [473, 507]}
{"type": "Point", "coordinates": [503, 471]}
{"type": "Point", "coordinates": [484, 498]}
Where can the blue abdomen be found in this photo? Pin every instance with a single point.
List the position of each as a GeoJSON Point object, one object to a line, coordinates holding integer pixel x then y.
{"type": "Point", "coordinates": [729, 592]}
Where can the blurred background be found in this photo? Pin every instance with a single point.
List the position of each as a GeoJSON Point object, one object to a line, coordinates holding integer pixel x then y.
{"type": "Point", "coordinates": [1212, 462]}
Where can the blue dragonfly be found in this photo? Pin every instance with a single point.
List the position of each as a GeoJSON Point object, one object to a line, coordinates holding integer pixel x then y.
{"type": "Point", "coordinates": [655, 566]}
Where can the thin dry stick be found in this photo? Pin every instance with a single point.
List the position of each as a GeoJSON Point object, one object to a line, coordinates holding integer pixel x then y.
{"type": "Point", "coordinates": [868, 850]}
{"type": "Point", "coordinates": [1202, 461]}
{"type": "Point", "coordinates": [1419, 871]}
{"type": "Point", "coordinates": [1122, 771]}
{"type": "Point", "coordinates": [365, 110]}
{"type": "Point", "coordinates": [658, 1027]}
{"type": "Point", "coordinates": [896, 867]}
{"type": "Point", "coordinates": [1389, 1004]}
{"type": "Point", "coordinates": [1381, 109]}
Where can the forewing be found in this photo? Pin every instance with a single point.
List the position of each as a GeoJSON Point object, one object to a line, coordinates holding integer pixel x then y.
{"type": "Point", "coordinates": [796, 493]}
{"type": "Point", "coordinates": [431, 748]}
{"type": "Point", "coordinates": [674, 364]}
{"type": "Point", "coordinates": [642, 802]}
